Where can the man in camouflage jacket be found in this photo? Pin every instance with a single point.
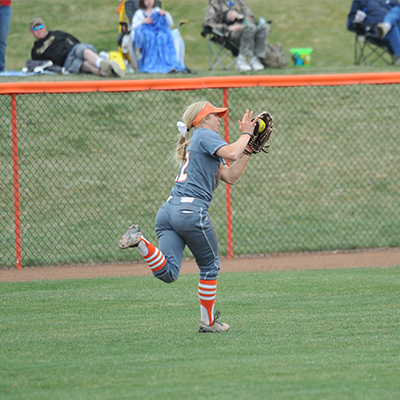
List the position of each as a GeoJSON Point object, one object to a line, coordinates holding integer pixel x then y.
{"type": "Point", "coordinates": [235, 20]}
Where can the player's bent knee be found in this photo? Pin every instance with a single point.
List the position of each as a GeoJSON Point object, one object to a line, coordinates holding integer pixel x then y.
{"type": "Point", "coordinates": [168, 276]}
{"type": "Point", "coordinates": [209, 274]}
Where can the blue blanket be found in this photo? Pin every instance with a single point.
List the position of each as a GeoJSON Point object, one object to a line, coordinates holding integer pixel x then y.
{"type": "Point", "coordinates": [157, 47]}
{"type": "Point", "coordinates": [17, 73]}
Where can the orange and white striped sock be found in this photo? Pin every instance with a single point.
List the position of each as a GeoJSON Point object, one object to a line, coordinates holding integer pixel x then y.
{"type": "Point", "coordinates": [207, 293]}
{"type": "Point", "coordinates": [152, 255]}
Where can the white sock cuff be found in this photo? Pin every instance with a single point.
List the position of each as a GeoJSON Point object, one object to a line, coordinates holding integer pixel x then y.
{"type": "Point", "coordinates": [143, 249]}
{"type": "Point", "coordinates": [205, 317]}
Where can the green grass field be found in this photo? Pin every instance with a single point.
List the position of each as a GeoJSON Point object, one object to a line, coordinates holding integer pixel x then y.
{"type": "Point", "coordinates": [321, 334]}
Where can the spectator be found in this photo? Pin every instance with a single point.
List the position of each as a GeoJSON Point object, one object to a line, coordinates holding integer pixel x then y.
{"type": "Point", "coordinates": [5, 18]}
{"type": "Point", "coordinates": [144, 13]}
{"type": "Point", "coordinates": [381, 17]}
{"type": "Point", "coordinates": [67, 51]}
{"type": "Point", "coordinates": [236, 21]}
{"type": "Point", "coordinates": [151, 34]}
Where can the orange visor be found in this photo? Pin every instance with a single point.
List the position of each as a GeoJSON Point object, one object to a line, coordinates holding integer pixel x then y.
{"type": "Point", "coordinates": [207, 110]}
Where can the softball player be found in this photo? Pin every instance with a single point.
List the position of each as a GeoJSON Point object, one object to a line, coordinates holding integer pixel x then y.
{"type": "Point", "coordinates": [183, 219]}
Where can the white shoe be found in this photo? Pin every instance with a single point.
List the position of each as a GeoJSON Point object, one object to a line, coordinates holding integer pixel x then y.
{"type": "Point", "coordinates": [255, 64]}
{"type": "Point", "coordinates": [215, 327]}
{"type": "Point", "coordinates": [105, 68]}
{"type": "Point", "coordinates": [42, 67]}
{"type": "Point", "coordinates": [131, 238]}
{"type": "Point", "coordinates": [382, 29]}
{"type": "Point", "coordinates": [116, 69]}
{"type": "Point", "coordinates": [242, 64]}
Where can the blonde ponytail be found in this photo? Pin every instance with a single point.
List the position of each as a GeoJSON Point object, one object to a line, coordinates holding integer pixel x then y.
{"type": "Point", "coordinates": [181, 147]}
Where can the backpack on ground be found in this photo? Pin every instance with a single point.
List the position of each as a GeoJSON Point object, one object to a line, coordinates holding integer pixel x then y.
{"type": "Point", "coordinates": [275, 57]}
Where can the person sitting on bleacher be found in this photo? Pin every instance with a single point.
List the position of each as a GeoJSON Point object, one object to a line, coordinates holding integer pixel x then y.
{"type": "Point", "coordinates": [235, 20]}
{"type": "Point", "coordinates": [379, 17]}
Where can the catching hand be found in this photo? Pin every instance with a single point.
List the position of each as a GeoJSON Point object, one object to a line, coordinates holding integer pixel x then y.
{"type": "Point", "coordinates": [264, 125]}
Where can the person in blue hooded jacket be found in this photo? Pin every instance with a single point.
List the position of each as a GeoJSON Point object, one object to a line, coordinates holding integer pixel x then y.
{"type": "Point", "coordinates": [381, 18]}
{"type": "Point", "coordinates": [151, 34]}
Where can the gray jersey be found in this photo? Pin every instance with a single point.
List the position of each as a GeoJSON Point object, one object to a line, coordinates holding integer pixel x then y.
{"type": "Point", "coordinates": [201, 173]}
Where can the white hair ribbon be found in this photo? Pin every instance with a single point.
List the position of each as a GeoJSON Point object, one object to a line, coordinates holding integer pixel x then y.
{"type": "Point", "coordinates": [182, 128]}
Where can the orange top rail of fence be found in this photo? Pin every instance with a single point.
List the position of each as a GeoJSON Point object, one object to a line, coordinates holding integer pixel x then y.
{"type": "Point", "coordinates": [198, 83]}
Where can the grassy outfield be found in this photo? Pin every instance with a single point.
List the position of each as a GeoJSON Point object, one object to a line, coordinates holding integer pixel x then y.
{"type": "Point", "coordinates": [320, 334]}
{"type": "Point", "coordinates": [318, 24]}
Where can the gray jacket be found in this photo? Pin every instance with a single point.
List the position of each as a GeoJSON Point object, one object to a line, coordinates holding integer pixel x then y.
{"type": "Point", "coordinates": [217, 9]}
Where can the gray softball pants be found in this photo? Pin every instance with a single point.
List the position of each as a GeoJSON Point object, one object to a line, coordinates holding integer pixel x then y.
{"type": "Point", "coordinates": [184, 222]}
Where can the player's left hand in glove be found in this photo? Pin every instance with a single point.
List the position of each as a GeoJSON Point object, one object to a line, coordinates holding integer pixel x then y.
{"type": "Point", "coordinates": [262, 133]}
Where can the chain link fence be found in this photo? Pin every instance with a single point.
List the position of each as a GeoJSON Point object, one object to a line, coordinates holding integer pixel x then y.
{"type": "Point", "coordinates": [91, 163]}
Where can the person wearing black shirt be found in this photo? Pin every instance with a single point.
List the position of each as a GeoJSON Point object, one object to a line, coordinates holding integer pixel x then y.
{"type": "Point", "coordinates": [67, 51]}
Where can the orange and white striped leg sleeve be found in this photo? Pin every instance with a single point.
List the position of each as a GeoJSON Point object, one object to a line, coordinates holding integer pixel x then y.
{"type": "Point", "coordinates": [152, 255]}
{"type": "Point", "coordinates": [207, 293]}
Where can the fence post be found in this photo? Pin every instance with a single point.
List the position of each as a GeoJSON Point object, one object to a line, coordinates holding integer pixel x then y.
{"type": "Point", "coordinates": [17, 219]}
{"type": "Point", "coordinates": [228, 196]}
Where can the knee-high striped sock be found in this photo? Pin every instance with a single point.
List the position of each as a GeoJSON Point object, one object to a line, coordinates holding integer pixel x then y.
{"type": "Point", "coordinates": [152, 255]}
{"type": "Point", "coordinates": [207, 293]}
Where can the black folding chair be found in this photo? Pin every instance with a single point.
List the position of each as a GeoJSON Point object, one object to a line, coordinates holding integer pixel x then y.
{"type": "Point", "coordinates": [222, 52]}
{"type": "Point", "coordinates": [368, 49]}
